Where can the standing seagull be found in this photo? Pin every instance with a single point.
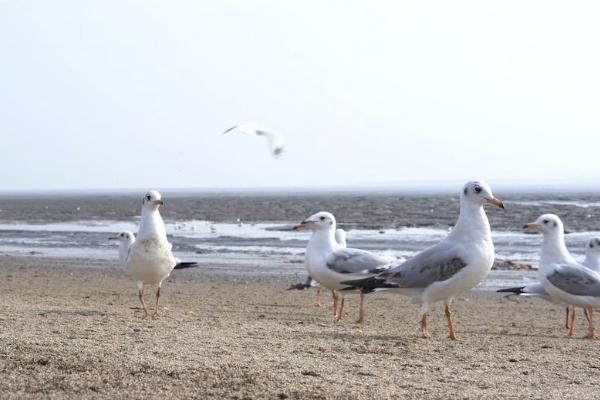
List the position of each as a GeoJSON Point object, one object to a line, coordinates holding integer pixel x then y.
{"type": "Point", "coordinates": [564, 279]}
{"type": "Point", "coordinates": [127, 238]}
{"type": "Point", "coordinates": [592, 254]}
{"type": "Point", "coordinates": [456, 264]}
{"type": "Point", "coordinates": [340, 237]}
{"type": "Point", "coordinates": [330, 264]}
{"type": "Point", "coordinates": [251, 128]}
{"type": "Point", "coordinates": [536, 289]}
{"type": "Point", "coordinates": [150, 260]}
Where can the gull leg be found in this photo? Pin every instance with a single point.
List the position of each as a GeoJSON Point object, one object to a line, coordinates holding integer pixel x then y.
{"type": "Point", "coordinates": [341, 307]}
{"type": "Point", "coordinates": [361, 309]}
{"type": "Point", "coordinates": [571, 330]}
{"type": "Point", "coordinates": [450, 326]}
{"type": "Point", "coordinates": [335, 303]}
{"type": "Point", "coordinates": [318, 299]}
{"type": "Point", "coordinates": [588, 311]}
{"type": "Point", "coordinates": [157, 297]}
{"type": "Point", "coordinates": [424, 332]}
{"type": "Point", "coordinates": [141, 297]}
{"type": "Point", "coordinates": [567, 309]}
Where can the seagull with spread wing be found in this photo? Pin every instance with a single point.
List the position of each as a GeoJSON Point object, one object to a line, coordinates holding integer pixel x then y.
{"type": "Point", "coordinates": [251, 128]}
{"type": "Point", "coordinates": [456, 264]}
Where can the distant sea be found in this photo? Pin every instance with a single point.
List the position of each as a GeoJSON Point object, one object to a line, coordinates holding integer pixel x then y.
{"type": "Point", "coordinates": [399, 223]}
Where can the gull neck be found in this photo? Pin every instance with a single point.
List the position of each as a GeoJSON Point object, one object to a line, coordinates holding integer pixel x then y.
{"type": "Point", "coordinates": [592, 260]}
{"type": "Point", "coordinates": [554, 249]}
{"type": "Point", "coordinates": [151, 225]}
{"type": "Point", "coordinates": [323, 239]}
{"type": "Point", "coordinates": [472, 223]}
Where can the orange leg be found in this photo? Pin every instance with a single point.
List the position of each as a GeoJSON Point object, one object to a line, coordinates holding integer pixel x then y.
{"type": "Point", "coordinates": [335, 303]}
{"type": "Point", "coordinates": [361, 309]}
{"type": "Point", "coordinates": [318, 299]}
{"type": "Point", "coordinates": [424, 331]}
{"type": "Point", "coordinates": [588, 311]}
{"type": "Point", "coordinates": [571, 330]}
{"type": "Point", "coordinates": [141, 297]}
{"type": "Point", "coordinates": [341, 308]}
{"type": "Point", "coordinates": [450, 326]}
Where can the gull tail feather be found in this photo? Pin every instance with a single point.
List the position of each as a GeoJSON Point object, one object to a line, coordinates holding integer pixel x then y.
{"type": "Point", "coordinates": [515, 290]}
{"type": "Point", "coordinates": [184, 265]}
{"type": "Point", "coordinates": [368, 285]}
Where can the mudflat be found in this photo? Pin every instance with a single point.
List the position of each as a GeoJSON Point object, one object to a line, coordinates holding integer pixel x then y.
{"type": "Point", "coordinates": [72, 328]}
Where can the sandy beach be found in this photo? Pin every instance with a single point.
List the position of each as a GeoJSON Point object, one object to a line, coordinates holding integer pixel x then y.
{"type": "Point", "coordinates": [71, 328]}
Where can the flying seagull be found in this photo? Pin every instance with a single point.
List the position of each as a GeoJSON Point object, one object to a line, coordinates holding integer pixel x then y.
{"type": "Point", "coordinates": [251, 128]}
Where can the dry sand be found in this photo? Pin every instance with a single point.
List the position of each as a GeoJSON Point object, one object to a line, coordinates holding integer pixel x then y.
{"type": "Point", "coordinates": [69, 329]}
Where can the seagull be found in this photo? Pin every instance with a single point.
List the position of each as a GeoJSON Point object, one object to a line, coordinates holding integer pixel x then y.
{"type": "Point", "coordinates": [456, 264]}
{"type": "Point", "coordinates": [592, 254]}
{"type": "Point", "coordinates": [127, 238]}
{"type": "Point", "coordinates": [329, 263]}
{"type": "Point", "coordinates": [251, 128]}
{"type": "Point", "coordinates": [536, 289]}
{"type": "Point", "coordinates": [564, 279]}
{"type": "Point", "coordinates": [150, 260]}
{"type": "Point", "coordinates": [340, 237]}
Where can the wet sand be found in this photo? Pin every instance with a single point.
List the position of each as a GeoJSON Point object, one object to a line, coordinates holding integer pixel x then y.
{"type": "Point", "coordinates": [72, 329]}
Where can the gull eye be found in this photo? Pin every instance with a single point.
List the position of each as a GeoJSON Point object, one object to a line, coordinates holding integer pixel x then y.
{"type": "Point", "coordinates": [546, 222]}
{"type": "Point", "coordinates": [148, 197]}
{"type": "Point", "coordinates": [322, 218]}
{"type": "Point", "coordinates": [591, 245]}
{"type": "Point", "coordinates": [477, 189]}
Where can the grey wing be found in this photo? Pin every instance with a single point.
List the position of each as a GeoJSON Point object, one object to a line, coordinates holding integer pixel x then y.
{"type": "Point", "coordinates": [355, 261]}
{"type": "Point", "coordinates": [438, 263]}
{"type": "Point", "coordinates": [576, 280]}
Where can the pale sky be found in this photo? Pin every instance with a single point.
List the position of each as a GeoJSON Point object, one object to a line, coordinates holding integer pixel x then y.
{"type": "Point", "coordinates": [135, 94]}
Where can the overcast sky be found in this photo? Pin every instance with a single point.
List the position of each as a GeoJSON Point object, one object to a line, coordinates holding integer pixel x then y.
{"type": "Point", "coordinates": [135, 94]}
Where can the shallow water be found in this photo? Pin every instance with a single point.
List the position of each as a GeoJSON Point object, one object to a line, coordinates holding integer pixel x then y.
{"type": "Point", "coordinates": [395, 224]}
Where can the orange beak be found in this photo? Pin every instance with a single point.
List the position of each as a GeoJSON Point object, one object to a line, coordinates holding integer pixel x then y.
{"type": "Point", "coordinates": [496, 202]}
{"type": "Point", "coordinates": [301, 225]}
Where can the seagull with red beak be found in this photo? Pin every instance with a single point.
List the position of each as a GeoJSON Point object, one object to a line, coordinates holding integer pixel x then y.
{"type": "Point", "coordinates": [456, 264]}
{"type": "Point", "coordinates": [150, 260]}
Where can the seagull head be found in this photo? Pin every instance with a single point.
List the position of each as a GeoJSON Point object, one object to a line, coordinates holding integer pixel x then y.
{"type": "Point", "coordinates": [546, 224]}
{"type": "Point", "coordinates": [593, 246]}
{"type": "Point", "coordinates": [123, 237]}
{"type": "Point", "coordinates": [152, 200]}
{"type": "Point", "coordinates": [320, 221]}
{"type": "Point", "coordinates": [479, 192]}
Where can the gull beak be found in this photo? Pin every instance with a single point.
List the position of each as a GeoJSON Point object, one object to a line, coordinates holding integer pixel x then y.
{"type": "Point", "coordinates": [531, 227]}
{"type": "Point", "coordinates": [302, 225]}
{"type": "Point", "coordinates": [159, 202]}
{"type": "Point", "coordinates": [496, 202]}
{"type": "Point", "coordinates": [113, 238]}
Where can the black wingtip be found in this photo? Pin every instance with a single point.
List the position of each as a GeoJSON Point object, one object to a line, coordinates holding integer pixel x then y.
{"type": "Point", "coordinates": [184, 265]}
{"type": "Point", "coordinates": [516, 290]}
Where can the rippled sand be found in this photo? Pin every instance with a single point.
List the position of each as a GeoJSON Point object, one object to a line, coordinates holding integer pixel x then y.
{"type": "Point", "coordinates": [67, 330]}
